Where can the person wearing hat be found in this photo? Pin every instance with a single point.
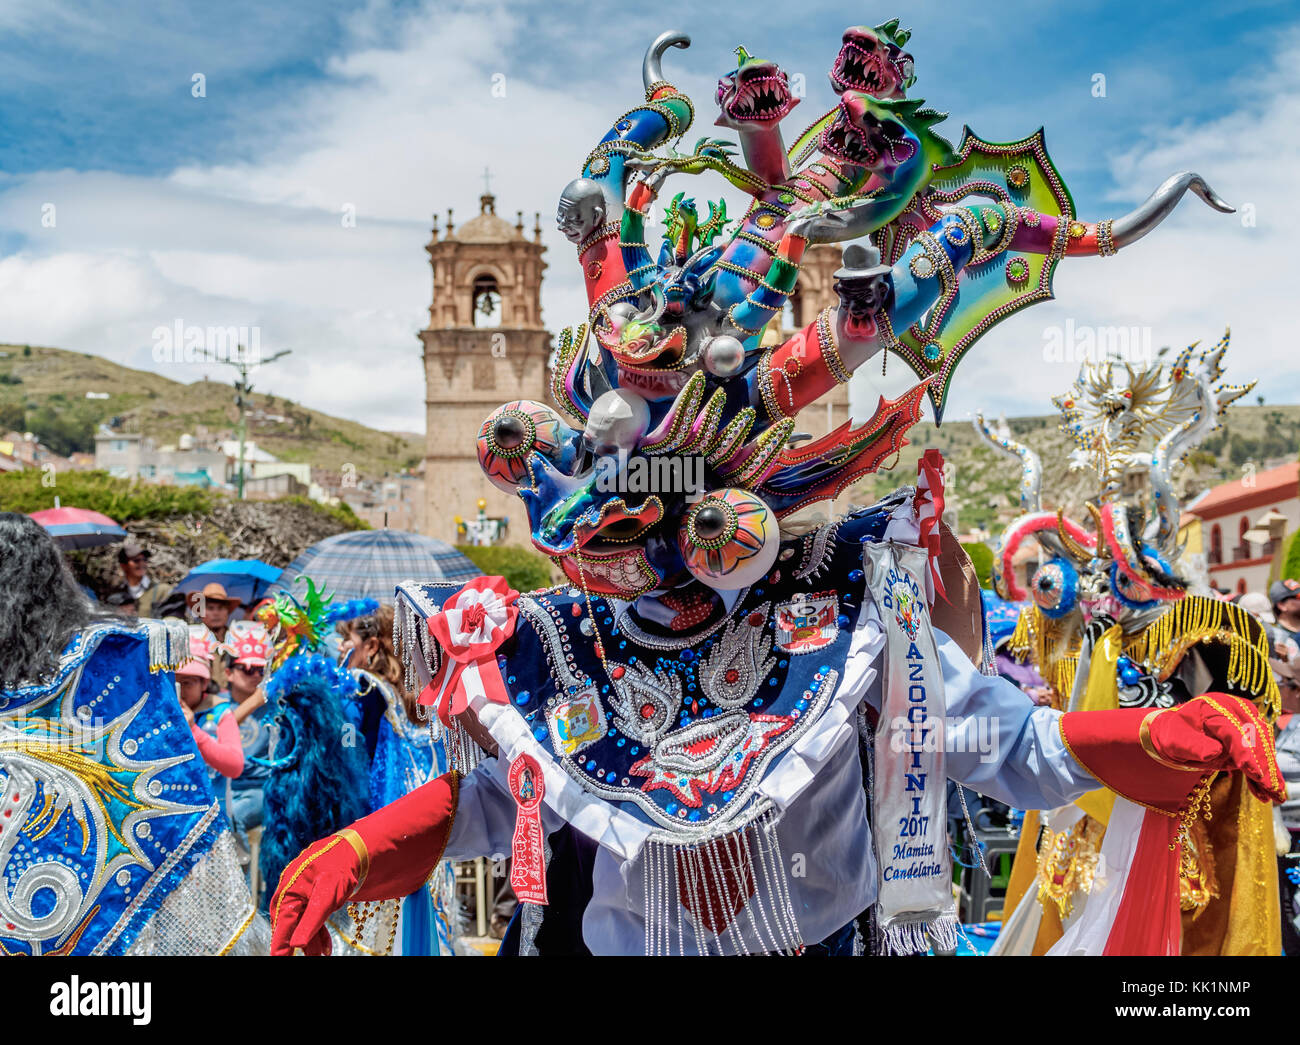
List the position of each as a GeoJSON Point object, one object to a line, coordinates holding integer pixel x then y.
{"type": "Point", "coordinates": [213, 607]}
{"type": "Point", "coordinates": [123, 602]}
{"type": "Point", "coordinates": [1285, 597]}
{"type": "Point", "coordinates": [211, 722]}
{"type": "Point", "coordinates": [248, 646]}
{"type": "Point", "coordinates": [143, 590]}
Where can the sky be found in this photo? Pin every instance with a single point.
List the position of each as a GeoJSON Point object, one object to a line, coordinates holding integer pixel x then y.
{"type": "Point", "coordinates": [134, 196]}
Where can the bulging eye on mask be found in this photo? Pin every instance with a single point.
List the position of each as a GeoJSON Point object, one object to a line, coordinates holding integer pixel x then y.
{"type": "Point", "coordinates": [618, 520]}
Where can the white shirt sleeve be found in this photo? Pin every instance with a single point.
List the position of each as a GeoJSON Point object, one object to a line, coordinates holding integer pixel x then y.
{"type": "Point", "coordinates": [999, 742]}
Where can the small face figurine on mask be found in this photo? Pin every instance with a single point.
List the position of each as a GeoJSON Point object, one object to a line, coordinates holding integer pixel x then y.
{"type": "Point", "coordinates": [581, 209]}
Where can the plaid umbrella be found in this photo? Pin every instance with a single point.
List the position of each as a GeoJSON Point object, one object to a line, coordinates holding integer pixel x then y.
{"type": "Point", "coordinates": [372, 563]}
{"type": "Point", "coordinates": [79, 527]}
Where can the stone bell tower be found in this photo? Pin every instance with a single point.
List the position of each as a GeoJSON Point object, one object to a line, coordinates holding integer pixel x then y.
{"type": "Point", "coordinates": [485, 345]}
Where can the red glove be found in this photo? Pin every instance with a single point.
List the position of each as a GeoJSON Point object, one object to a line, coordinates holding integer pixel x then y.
{"type": "Point", "coordinates": [1218, 731]}
{"type": "Point", "coordinates": [1157, 757]}
{"type": "Point", "coordinates": [386, 855]}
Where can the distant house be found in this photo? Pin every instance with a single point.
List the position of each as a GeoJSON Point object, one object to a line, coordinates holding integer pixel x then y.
{"type": "Point", "coordinates": [396, 502]}
{"type": "Point", "coordinates": [271, 487]}
{"type": "Point", "coordinates": [129, 455]}
{"type": "Point", "coordinates": [1216, 525]}
{"type": "Point", "coordinates": [32, 453]}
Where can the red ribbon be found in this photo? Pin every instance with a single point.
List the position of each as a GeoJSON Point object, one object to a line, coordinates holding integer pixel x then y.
{"type": "Point", "coordinates": [929, 511]}
{"type": "Point", "coordinates": [527, 852]}
{"type": "Point", "coordinates": [470, 628]}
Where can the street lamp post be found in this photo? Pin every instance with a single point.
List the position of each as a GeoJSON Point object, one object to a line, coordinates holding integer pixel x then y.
{"type": "Point", "coordinates": [242, 391]}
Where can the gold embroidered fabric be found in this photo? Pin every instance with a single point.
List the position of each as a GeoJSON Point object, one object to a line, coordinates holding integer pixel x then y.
{"type": "Point", "coordinates": [1067, 863]}
{"type": "Point", "coordinates": [1053, 651]}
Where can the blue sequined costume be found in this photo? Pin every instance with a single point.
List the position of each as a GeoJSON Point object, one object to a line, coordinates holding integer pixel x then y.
{"type": "Point", "coordinates": [112, 841]}
{"type": "Point", "coordinates": [406, 755]}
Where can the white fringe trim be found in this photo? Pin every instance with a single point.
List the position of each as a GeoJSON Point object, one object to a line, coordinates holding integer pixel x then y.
{"type": "Point", "coordinates": [918, 936]}
{"type": "Point", "coordinates": [169, 644]}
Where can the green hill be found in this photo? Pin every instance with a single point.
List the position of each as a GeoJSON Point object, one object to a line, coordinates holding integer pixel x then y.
{"type": "Point", "coordinates": [43, 390]}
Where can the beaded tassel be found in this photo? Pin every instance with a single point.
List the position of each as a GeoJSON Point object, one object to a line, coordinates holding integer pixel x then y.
{"type": "Point", "coordinates": [695, 877]}
{"type": "Point", "coordinates": [1161, 646]}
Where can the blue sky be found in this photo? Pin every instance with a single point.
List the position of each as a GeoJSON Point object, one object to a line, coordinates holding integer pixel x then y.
{"type": "Point", "coordinates": [224, 209]}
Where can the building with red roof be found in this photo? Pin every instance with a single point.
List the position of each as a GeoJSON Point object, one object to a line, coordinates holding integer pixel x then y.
{"type": "Point", "coordinates": [1225, 514]}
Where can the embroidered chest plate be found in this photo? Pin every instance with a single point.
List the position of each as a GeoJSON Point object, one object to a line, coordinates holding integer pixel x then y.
{"type": "Point", "coordinates": [681, 737]}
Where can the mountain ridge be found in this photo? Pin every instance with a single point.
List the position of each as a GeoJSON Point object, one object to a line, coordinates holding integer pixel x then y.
{"type": "Point", "coordinates": [45, 388]}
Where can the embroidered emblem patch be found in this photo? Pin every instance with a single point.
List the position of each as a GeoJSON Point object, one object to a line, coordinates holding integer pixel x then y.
{"type": "Point", "coordinates": [709, 757]}
{"type": "Point", "coordinates": [807, 622]}
{"type": "Point", "coordinates": [904, 598]}
{"type": "Point", "coordinates": [576, 722]}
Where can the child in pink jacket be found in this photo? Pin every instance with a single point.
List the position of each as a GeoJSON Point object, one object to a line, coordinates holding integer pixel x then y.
{"type": "Point", "coordinates": [212, 722]}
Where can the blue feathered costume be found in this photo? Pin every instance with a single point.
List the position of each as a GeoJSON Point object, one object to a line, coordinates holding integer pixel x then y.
{"type": "Point", "coordinates": [319, 766]}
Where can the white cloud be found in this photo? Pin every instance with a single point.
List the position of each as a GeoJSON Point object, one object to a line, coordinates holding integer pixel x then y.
{"type": "Point", "coordinates": [403, 124]}
{"type": "Point", "coordinates": [396, 132]}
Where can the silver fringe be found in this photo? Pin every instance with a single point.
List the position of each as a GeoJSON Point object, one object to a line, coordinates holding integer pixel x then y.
{"type": "Point", "coordinates": [421, 659]}
{"type": "Point", "coordinates": [765, 921]}
{"type": "Point", "coordinates": [463, 752]}
{"type": "Point", "coordinates": [530, 920]}
{"type": "Point", "coordinates": [169, 643]}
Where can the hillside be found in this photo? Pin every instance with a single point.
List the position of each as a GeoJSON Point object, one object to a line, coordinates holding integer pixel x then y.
{"type": "Point", "coordinates": [43, 390]}
{"type": "Point", "coordinates": [983, 482]}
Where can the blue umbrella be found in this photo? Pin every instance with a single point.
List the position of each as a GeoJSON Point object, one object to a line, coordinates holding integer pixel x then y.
{"type": "Point", "coordinates": [364, 564]}
{"type": "Point", "coordinates": [244, 579]}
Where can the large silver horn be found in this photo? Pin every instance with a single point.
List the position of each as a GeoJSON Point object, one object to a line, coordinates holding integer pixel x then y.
{"type": "Point", "coordinates": [1031, 468]}
{"type": "Point", "coordinates": [1160, 204]}
{"type": "Point", "coordinates": [1203, 403]}
{"type": "Point", "coordinates": [652, 69]}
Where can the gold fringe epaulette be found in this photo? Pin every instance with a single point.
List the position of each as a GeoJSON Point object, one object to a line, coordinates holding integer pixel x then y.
{"type": "Point", "coordinates": [1044, 643]}
{"type": "Point", "coordinates": [1161, 647]}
